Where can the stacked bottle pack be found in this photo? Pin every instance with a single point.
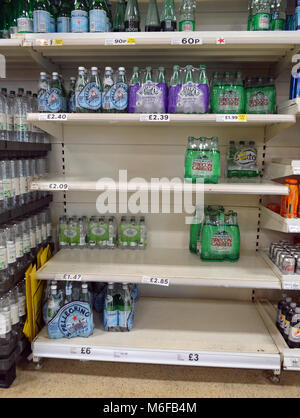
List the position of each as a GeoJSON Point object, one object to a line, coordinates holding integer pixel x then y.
{"type": "Point", "coordinates": [15, 179]}
{"type": "Point", "coordinates": [79, 16]}
{"type": "Point", "coordinates": [288, 320]}
{"type": "Point", "coordinates": [215, 234]}
{"type": "Point", "coordinates": [242, 160]}
{"type": "Point", "coordinates": [148, 91]}
{"type": "Point", "coordinates": [270, 15]}
{"type": "Point", "coordinates": [102, 232]}
{"type": "Point", "coordinates": [20, 241]}
{"type": "Point", "coordinates": [13, 117]}
{"type": "Point", "coordinates": [286, 256]}
{"type": "Point", "coordinates": [68, 307]}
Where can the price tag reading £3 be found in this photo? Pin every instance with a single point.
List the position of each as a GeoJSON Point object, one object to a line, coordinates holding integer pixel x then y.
{"type": "Point", "coordinates": [155, 280]}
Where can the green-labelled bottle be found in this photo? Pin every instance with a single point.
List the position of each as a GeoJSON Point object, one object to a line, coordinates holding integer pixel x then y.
{"type": "Point", "coordinates": [25, 18]}
{"type": "Point", "coordinates": [189, 155]}
{"type": "Point", "coordinates": [152, 18]}
{"type": "Point", "coordinates": [168, 19]}
{"type": "Point", "coordinates": [119, 21]}
{"type": "Point", "coordinates": [261, 15]}
{"type": "Point", "coordinates": [195, 231]}
{"type": "Point", "coordinates": [187, 16]}
{"type": "Point", "coordinates": [132, 17]}
{"type": "Point", "coordinates": [278, 14]}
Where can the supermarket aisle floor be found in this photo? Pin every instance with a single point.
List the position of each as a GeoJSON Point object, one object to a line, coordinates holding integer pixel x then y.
{"type": "Point", "coordinates": [78, 379]}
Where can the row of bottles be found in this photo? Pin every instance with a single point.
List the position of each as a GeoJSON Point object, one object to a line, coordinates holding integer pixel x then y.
{"type": "Point", "coordinates": [267, 15]}
{"type": "Point", "coordinates": [13, 117]}
{"type": "Point", "coordinates": [242, 160]}
{"type": "Point", "coordinates": [288, 320]}
{"type": "Point", "coordinates": [79, 16]}
{"type": "Point", "coordinates": [12, 314]}
{"type": "Point", "coordinates": [20, 240]}
{"type": "Point", "coordinates": [102, 232]}
{"type": "Point", "coordinates": [15, 180]}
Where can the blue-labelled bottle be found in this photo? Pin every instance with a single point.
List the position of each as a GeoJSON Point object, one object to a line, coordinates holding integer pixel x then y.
{"type": "Point", "coordinates": [55, 95]}
{"type": "Point", "coordinates": [63, 21]}
{"type": "Point", "coordinates": [79, 16]}
{"type": "Point", "coordinates": [294, 85]}
{"type": "Point", "coordinates": [41, 17]}
{"type": "Point", "coordinates": [119, 92]}
{"type": "Point", "coordinates": [90, 96]}
{"type": "Point", "coordinates": [108, 83]}
{"type": "Point", "coordinates": [99, 16]}
{"type": "Point", "coordinates": [81, 82]}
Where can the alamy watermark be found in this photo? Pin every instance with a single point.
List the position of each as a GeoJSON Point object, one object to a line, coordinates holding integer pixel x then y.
{"type": "Point", "coordinates": [157, 195]}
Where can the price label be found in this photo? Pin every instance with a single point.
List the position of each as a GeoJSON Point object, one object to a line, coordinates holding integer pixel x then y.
{"type": "Point", "coordinates": [231, 118]}
{"type": "Point", "coordinates": [187, 40]}
{"type": "Point", "coordinates": [291, 285]}
{"type": "Point", "coordinates": [155, 117]}
{"type": "Point", "coordinates": [121, 354]}
{"type": "Point", "coordinates": [156, 281]}
{"type": "Point", "coordinates": [58, 186]}
{"type": "Point", "coordinates": [34, 186]}
{"type": "Point", "coordinates": [49, 42]}
{"type": "Point", "coordinates": [53, 116]}
{"type": "Point", "coordinates": [82, 351]}
{"type": "Point", "coordinates": [294, 228]}
{"type": "Point", "coordinates": [120, 41]}
{"type": "Point", "coordinates": [72, 276]}
{"type": "Point", "coordinates": [58, 42]}
{"type": "Point", "coordinates": [189, 357]}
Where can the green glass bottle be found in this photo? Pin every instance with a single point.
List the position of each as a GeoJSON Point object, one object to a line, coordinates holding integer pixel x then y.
{"type": "Point", "coordinates": [25, 18]}
{"type": "Point", "coordinates": [6, 19]}
{"type": "Point", "coordinates": [132, 17]}
{"type": "Point", "coordinates": [119, 21]}
{"type": "Point", "coordinates": [13, 12]}
{"type": "Point", "coordinates": [195, 231]}
{"type": "Point", "coordinates": [168, 19]}
{"type": "Point", "coordinates": [152, 18]}
{"type": "Point", "coordinates": [187, 16]}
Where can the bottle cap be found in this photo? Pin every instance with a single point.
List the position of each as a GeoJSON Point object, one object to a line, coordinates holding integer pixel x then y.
{"type": "Point", "coordinates": [56, 74]}
{"type": "Point", "coordinates": [94, 69]}
{"type": "Point", "coordinates": [81, 69]}
{"type": "Point", "coordinates": [121, 69]}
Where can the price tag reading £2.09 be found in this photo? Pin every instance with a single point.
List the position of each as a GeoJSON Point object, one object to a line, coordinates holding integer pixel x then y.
{"type": "Point", "coordinates": [155, 280]}
{"type": "Point", "coordinates": [155, 117]}
{"type": "Point", "coordinates": [58, 186]}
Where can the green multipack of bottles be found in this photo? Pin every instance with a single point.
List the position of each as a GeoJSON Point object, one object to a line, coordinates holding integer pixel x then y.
{"type": "Point", "coordinates": [260, 94]}
{"type": "Point", "coordinates": [227, 93]}
{"type": "Point", "coordinates": [202, 160]}
{"type": "Point", "coordinates": [242, 160]}
{"type": "Point", "coordinates": [216, 235]}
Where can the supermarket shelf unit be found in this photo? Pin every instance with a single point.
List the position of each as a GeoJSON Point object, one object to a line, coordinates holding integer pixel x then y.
{"type": "Point", "coordinates": [167, 330]}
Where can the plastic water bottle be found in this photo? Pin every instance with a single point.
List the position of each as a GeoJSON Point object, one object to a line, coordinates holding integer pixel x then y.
{"type": "Point", "coordinates": [14, 312]}
{"type": "Point", "coordinates": [26, 241]}
{"type": "Point", "coordinates": [110, 309]}
{"type": "Point", "coordinates": [11, 250]}
{"type": "Point", "coordinates": [20, 121]}
{"type": "Point", "coordinates": [143, 233]}
{"type": "Point", "coordinates": [42, 92]}
{"type": "Point", "coordinates": [5, 321]}
{"type": "Point", "coordinates": [5, 171]}
{"type": "Point", "coordinates": [15, 184]}
{"type": "Point", "coordinates": [125, 309]}
{"type": "Point", "coordinates": [11, 115]}
{"type": "Point", "coordinates": [3, 117]}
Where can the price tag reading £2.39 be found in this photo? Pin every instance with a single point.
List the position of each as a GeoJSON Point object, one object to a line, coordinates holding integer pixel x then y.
{"type": "Point", "coordinates": [155, 280]}
{"type": "Point", "coordinates": [155, 117]}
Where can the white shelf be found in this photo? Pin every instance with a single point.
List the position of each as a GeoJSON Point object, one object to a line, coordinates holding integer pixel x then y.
{"type": "Point", "coordinates": [281, 167]}
{"type": "Point", "coordinates": [225, 186]}
{"type": "Point", "coordinates": [166, 331]}
{"type": "Point", "coordinates": [273, 123]}
{"type": "Point", "coordinates": [288, 281]}
{"type": "Point", "coordinates": [179, 266]}
{"type": "Point", "coordinates": [274, 221]}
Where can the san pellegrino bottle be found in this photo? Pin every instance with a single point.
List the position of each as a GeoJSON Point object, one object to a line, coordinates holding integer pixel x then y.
{"type": "Point", "coordinates": [53, 303]}
{"type": "Point", "coordinates": [187, 16]}
{"type": "Point", "coordinates": [79, 16]}
{"type": "Point", "coordinates": [168, 19]}
{"type": "Point", "coordinates": [41, 16]}
{"type": "Point", "coordinates": [80, 84]}
{"type": "Point", "coordinates": [5, 321]}
{"type": "Point", "coordinates": [132, 17]}
{"type": "Point", "coordinates": [119, 92]}
{"type": "Point", "coordinates": [56, 98]}
{"type": "Point", "coordinates": [108, 83]}
{"type": "Point", "coordinates": [13, 12]}
{"type": "Point", "coordinates": [119, 21]}
{"type": "Point", "coordinates": [110, 309]}
{"type": "Point", "coordinates": [71, 96]}
{"type": "Point", "coordinates": [64, 17]}
{"type": "Point", "coordinates": [152, 17]}
{"type": "Point", "coordinates": [261, 15]}
{"type": "Point", "coordinates": [278, 14]}
{"type": "Point", "coordinates": [68, 293]}
{"type": "Point", "coordinates": [25, 18]}
{"type": "Point", "coordinates": [99, 16]}
{"type": "Point", "coordinates": [125, 305]}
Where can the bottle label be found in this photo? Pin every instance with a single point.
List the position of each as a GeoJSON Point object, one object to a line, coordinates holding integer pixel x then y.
{"type": "Point", "coordinates": [110, 316]}
{"type": "Point", "coordinates": [3, 122]}
{"type": "Point", "coordinates": [42, 99]}
{"type": "Point", "coordinates": [245, 158]}
{"type": "Point", "coordinates": [23, 185]}
{"type": "Point", "coordinates": [79, 21]}
{"type": "Point", "coordinates": [202, 166]}
{"type": "Point", "coordinates": [192, 98]}
{"type": "Point", "coordinates": [126, 319]}
{"type": "Point", "coordinates": [119, 96]}
{"type": "Point", "coordinates": [90, 97]}
{"type": "Point", "coordinates": [10, 123]}
{"type": "Point", "coordinates": [11, 252]}
{"type": "Point", "coordinates": [16, 186]}
{"type": "Point", "coordinates": [26, 243]}
{"type": "Point", "coordinates": [98, 20]}
{"type": "Point", "coordinates": [3, 259]}
{"type": "Point", "coordinates": [19, 248]}
{"type": "Point", "coordinates": [5, 323]}
{"type": "Point", "coordinates": [286, 326]}
{"type": "Point", "coordinates": [220, 242]}
{"type": "Point", "coordinates": [41, 21]}
{"type": "Point", "coordinates": [14, 313]}
{"type": "Point", "coordinates": [107, 102]}
{"type": "Point", "coordinates": [261, 21]}
{"type": "Point", "coordinates": [7, 188]}
{"type": "Point", "coordinates": [25, 24]}
{"type": "Point", "coordinates": [294, 333]}
{"type": "Point", "coordinates": [63, 24]}
{"type": "Point", "coordinates": [53, 100]}
{"type": "Point", "coordinates": [22, 305]}
{"type": "Point", "coordinates": [21, 124]}
{"type": "Point", "coordinates": [150, 99]}
{"type": "Point", "coordinates": [187, 26]}
{"type": "Point", "coordinates": [98, 233]}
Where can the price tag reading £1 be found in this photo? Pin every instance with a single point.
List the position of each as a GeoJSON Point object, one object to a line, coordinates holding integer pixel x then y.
{"type": "Point", "coordinates": [155, 280]}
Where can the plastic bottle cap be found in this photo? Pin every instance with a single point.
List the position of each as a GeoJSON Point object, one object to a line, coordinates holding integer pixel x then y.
{"type": "Point", "coordinates": [94, 68]}
{"type": "Point", "coordinates": [54, 73]}
{"type": "Point", "coordinates": [108, 68]}
{"type": "Point", "coordinates": [121, 69]}
{"type": "Point", "coordinates": [81, 69]}
{"type": "Point", "coordinates": [43, 73]}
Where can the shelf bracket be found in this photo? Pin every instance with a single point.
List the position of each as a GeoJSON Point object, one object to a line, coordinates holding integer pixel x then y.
{"type": "Point", "coordinates": [45, 63]}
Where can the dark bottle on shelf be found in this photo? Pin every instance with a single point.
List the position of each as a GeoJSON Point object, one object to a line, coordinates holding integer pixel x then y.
{"type": "Point", "coordinates": [152, 18]}
{"type": "Point", "coordinates": [168, 19]}
{"type": "Point", "coordinates": [132, 17]}
{"type": "Point", "coordinates": [119, 21]}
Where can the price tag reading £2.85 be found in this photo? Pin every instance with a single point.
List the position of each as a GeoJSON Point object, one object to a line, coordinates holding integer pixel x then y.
{"type": "Point", "coordinates": [155, 280]}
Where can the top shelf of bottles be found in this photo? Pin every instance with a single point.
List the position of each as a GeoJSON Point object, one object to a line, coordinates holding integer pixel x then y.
{"type": "Point", "coordinates": [72, 49]}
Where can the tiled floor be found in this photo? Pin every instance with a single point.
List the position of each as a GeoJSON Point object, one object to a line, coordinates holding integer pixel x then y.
{"type": "Point", "coordinates": [70, 378]}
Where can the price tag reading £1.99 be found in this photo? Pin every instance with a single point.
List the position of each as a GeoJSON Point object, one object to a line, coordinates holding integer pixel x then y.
{"type": "Point", "coordinates": [155, 280]}
{"type": "Point", "coordinates": [231, 118]}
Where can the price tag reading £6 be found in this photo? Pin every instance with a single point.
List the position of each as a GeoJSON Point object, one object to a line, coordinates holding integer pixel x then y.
{"type": "Point", "coordinates": [155, 280]}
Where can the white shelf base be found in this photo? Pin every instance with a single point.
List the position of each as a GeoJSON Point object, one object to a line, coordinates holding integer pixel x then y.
{"type": "Point", "coordinates": [274, 221]}
{"type": "Point", "coordinates": [280, 167]}
{"type": "Point", "coordinates": [166, 331]}
{"type": "Point", "coordinates": [178, 265]}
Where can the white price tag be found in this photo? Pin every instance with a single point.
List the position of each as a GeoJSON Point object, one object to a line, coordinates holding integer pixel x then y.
{"type": "Point", "coordinates": [191, 358]}
{"type": "Point", "coordinates": [155, 117]}
{"type": "Point", "coordinates": [290, 285]}
{"type": "Point", "coordinates": [58, 186]}
{"type": "Point", "coordinates": [187, 40]}
{"type": "Point", "coordinates": [49, 42]}
{"type": "Point", "coordinates": [119, 41]}
{"type": "Point", "coordinates": [231, 118]}
{"type": "Point", "coordinates": [155, 280]}
{"type": "Point", "coordinates": [53, 116]}
{"type": "Point", "coordinates": [72, 276]}
{"type": "Point", "coordinates": [82, 351]}
{"type": "Point", "coordinates": [294, 228]}
{"type": "Point", "coordinates": [34, 186]}
{"type": "Point", "coordinates": [121, 355]}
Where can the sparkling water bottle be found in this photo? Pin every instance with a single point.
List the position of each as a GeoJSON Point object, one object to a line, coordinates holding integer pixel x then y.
{"type": "Point", "coordinates": [5, 321]}
{"type": "Point", "coordinates": [3, 117]}
{"type": "Point", "coordinates": [11, 115]}
{"type": "Point", "coordinates": [4, 276]}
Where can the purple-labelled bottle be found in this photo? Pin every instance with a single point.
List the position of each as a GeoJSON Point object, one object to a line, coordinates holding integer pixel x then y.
{"type": "Point", "coordinates": [162, 85]}
{"type": "Point", "coordinates": [203, 102]}
{"type": "Point", "coordinates": [134, 86]}
{"type": "Point", "coordinates": [174, 89]}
